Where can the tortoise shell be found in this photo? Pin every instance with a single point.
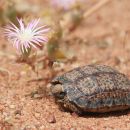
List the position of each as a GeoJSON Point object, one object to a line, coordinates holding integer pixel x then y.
{"type": "Point", "coordinates": [92, 88]}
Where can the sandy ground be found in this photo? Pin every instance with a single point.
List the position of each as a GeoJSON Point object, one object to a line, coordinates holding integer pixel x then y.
{"type": "Point", "coordinates": [25, 105]}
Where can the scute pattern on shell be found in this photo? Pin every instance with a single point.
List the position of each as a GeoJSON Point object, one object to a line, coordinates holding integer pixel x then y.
{"type": "Point", "coordinates": [96, 87]}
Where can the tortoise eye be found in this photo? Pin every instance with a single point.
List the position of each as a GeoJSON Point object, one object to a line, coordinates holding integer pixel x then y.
{"type": "Point", "coordinates": [61, 95]}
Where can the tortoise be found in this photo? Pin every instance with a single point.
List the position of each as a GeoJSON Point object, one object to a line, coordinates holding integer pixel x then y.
{"type": "Point", "coordinates": [92, 88]}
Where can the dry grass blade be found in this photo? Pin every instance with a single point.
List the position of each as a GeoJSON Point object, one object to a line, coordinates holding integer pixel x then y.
{"type": "Point", "coordinates": [96, 7]}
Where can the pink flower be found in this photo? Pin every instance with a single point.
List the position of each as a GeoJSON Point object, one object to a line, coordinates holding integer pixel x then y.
{"type": "Point", "coordinates": [66, 4]}
{"type": "Point", "coordinates": [25, 37]}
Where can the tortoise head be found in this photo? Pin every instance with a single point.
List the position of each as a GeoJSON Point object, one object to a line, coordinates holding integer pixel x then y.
{"type": "Point", "coordinates": [57, 90]}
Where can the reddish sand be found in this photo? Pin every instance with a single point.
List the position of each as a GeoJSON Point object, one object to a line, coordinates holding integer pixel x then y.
{"type": "Point", "coordinates": [25, 104]}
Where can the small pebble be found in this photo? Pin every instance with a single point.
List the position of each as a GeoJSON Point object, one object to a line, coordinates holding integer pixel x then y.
{"type": "Point", "coordinates": [75, 115]}
{"type": "Point", "coordinates": [42, 127]}
{"type": "Point", "coordinates": [51, 119]}
{"type": "Point", "coordinates": [12, 106]}
{"type": "Point", "coordinates": [17, 112]}
{"type": "Point", "coordinates": [37, 115]}
{"type": "Point", "coordinates": [37, 96]}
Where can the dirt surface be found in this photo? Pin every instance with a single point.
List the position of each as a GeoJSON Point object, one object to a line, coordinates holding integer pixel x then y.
{"type": "Point", "coordinates": [103, 38]}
